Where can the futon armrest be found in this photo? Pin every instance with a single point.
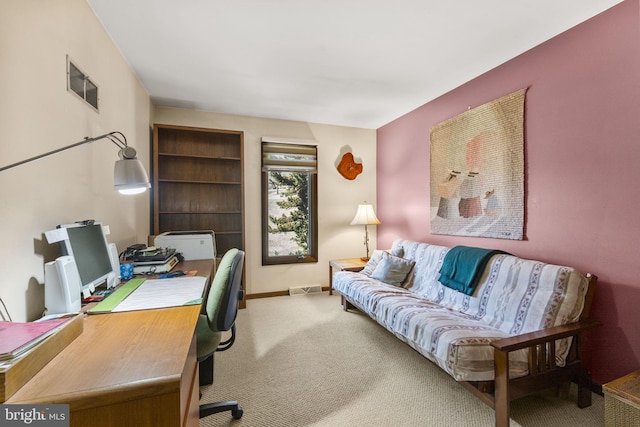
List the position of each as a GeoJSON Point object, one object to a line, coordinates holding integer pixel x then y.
{"type": "Point", "coordinates": [544, 335]}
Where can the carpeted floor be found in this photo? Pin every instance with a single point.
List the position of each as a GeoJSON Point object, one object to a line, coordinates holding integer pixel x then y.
{"type": "Point", "coordinates": [302, 361]}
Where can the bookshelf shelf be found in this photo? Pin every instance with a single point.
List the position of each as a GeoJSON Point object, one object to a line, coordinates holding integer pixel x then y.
{"type": "Point", "coordinates": [198, 182]}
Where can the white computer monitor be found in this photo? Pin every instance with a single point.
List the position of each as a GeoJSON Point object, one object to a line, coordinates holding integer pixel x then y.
{"type": "Point", "coordinates": [87, 245]}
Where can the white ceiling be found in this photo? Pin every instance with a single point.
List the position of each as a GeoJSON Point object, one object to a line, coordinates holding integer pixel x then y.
{"type": "Point", "coordinates": [360, 63]}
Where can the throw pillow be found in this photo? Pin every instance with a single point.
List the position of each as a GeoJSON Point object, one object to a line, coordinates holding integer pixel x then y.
{"type": "Point", "coordinates": [392, 270]}
{"type": "Point", "coordinates": [372, 263]}
{"type": "Point", "coordinates": [397, 251]}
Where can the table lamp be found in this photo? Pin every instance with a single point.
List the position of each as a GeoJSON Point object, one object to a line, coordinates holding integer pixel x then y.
{"type": "Point", "coordinates": [365, 216]}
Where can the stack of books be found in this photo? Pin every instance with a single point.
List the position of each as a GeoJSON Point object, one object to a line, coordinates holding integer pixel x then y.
{"type": "Point", "coordinates": [154, 260]}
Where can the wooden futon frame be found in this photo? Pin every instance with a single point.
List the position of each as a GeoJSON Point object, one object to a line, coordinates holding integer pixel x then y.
{"type": "Point", "coordinates": [543, 372]}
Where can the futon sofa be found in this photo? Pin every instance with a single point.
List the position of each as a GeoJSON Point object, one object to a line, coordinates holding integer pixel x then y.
{"type": "Point", "coordinates": [502, 326]}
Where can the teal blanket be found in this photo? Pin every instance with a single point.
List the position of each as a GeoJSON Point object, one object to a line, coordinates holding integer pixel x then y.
{"type": "Point", "coordinates": [463, 266]}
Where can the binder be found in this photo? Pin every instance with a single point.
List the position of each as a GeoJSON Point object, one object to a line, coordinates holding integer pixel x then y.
{"type": "Point", "coordinates": [18, 337]}
{"type": "Point", "coordinates": [15, 372]}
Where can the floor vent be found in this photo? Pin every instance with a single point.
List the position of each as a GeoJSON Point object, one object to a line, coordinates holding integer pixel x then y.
{"type": "Point", "coordinates": [304, 290]}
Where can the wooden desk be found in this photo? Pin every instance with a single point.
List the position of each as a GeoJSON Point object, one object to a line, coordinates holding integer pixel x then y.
{"type": "Point", "coordinates": [134, 368]}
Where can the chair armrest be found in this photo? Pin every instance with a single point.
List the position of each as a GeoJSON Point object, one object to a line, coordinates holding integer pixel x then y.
{"type": "Point", "coordinates": [544, 335]}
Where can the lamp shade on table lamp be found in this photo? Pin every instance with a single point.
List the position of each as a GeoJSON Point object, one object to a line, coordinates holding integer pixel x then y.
{"type": "Point", "coordinates": [365, 215]}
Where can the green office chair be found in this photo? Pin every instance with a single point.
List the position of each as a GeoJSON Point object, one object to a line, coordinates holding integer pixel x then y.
{"type": "Point", "coordinates": [222, 308]}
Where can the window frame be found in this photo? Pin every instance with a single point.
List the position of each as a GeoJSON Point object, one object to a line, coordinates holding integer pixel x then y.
{"type": "Point", "coordinates": [312, 250]}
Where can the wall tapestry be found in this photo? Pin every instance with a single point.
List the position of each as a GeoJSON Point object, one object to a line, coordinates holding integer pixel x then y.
{"type": "Point", "coordinates": [477, 171]}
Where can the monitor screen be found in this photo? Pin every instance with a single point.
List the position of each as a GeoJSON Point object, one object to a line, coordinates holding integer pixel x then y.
{"type": "Point", "coordinates": [89, 248]}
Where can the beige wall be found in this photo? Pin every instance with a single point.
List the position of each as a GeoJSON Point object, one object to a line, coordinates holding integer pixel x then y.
{"type": "Point", "coordinates": [37, 115]}
{"type": "Point", "coordinates": [338, 198]}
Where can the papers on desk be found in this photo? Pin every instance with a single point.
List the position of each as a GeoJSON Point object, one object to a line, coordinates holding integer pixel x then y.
{"type": "Point", "coordinates": [155, 293]}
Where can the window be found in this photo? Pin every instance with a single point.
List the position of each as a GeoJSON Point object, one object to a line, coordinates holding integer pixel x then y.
{"type": "Point", "coordinates": [289, 201]}
{"type": "Point", "coordinates": [80, 84]}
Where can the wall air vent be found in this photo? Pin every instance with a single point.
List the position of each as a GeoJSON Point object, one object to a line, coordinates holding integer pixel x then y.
{"type": "Point", "coordinates": [80, 84]}
{"type": "Point", "coordinates": [306, 290]}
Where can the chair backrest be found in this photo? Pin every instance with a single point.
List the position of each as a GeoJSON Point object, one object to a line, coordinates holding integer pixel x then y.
{"type": "Point", "coordinates": [226, 291]}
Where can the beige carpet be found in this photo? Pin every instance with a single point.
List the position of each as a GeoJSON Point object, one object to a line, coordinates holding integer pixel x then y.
{"type": "Point", "coordinates": [303, 361]}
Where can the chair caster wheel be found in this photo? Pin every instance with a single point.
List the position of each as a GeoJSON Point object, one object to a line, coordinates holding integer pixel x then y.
{"type": "Point", "coordinates": [237, 413]}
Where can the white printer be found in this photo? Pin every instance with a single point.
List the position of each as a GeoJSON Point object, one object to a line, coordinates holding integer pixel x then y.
{"type": "Point", "coordinates": [193, 245]}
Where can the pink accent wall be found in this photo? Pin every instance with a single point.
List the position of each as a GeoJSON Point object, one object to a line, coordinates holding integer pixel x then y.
{"type": "Point", "coordinates": [582, 169]}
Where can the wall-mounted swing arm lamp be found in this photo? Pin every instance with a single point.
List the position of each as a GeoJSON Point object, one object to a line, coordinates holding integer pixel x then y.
{"type": "Point", "coordinates": [129, 176]}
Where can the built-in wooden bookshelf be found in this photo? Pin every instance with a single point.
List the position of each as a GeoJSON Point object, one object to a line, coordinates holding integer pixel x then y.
{"type": "Point", "coordinates": [198, 183]}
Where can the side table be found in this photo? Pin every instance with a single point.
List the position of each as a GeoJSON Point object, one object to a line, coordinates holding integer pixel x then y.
{"type": "Point", "coordinates": [622, 401]}
{"type": "Point", "coordinates": [346, 264]}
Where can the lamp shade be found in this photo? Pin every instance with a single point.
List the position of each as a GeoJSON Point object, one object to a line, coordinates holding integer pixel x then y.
{"type": "Point", "coordinates": [365, 215]}
{"type": "Point", "coordinates": [129, 176]}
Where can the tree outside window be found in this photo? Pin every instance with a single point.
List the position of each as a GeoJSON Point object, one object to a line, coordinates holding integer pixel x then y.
{"type": "Point", "coordinates": [289, 201]}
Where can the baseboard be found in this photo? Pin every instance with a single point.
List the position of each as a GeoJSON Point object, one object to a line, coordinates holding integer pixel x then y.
{"type": "Point", "coordinates": [267, 295]}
